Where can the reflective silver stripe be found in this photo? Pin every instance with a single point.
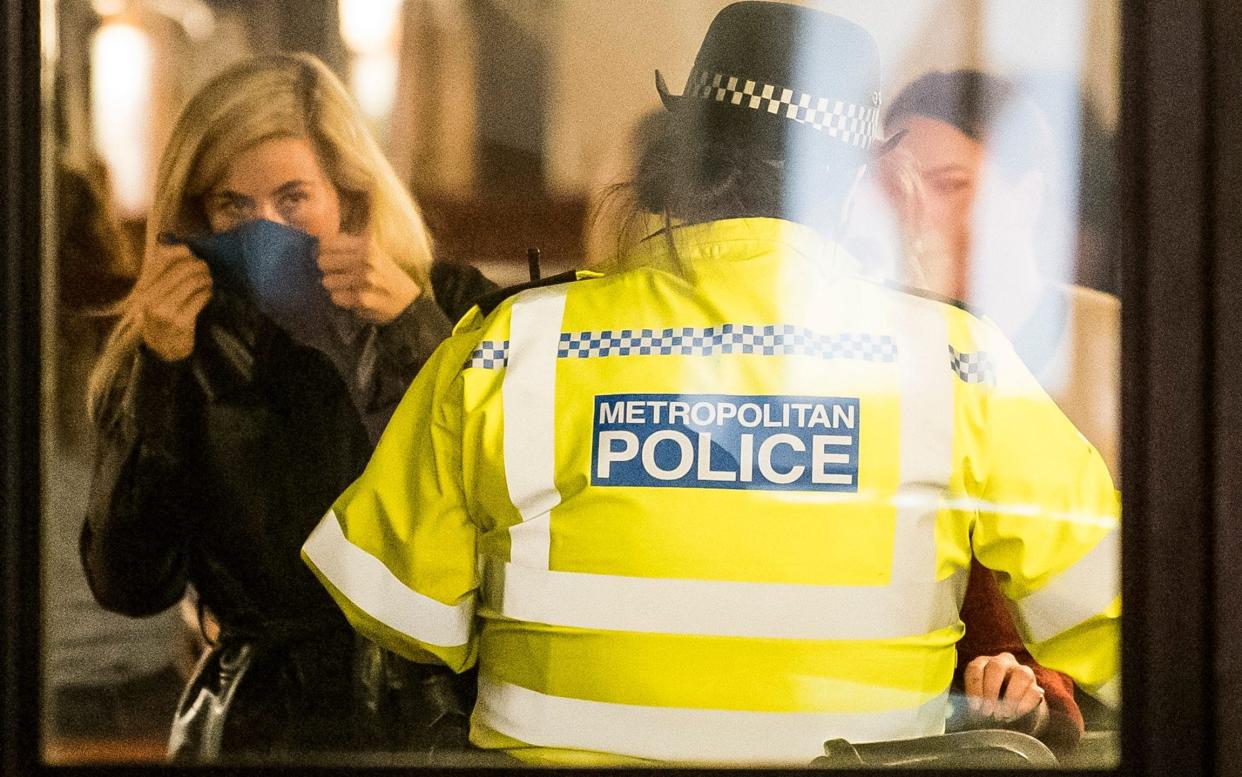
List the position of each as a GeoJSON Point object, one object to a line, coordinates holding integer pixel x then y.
{"type": "Point", "coordinates": [723, 737]}
{"type": "Point", "coordinates": [926, 442]}
{"type": "Point", "coordinates": [529, 397]}
{"type": "Point", "coordinates": [531, 541]}
{"type": "Point", "coordinates": [1081, 592]}
{"type": "Point", "coordinates": [719, 608]}
{"type": "Point", "coordinates": [371, 587]}
{"type": "Point", "coordinates": [1030, 510]}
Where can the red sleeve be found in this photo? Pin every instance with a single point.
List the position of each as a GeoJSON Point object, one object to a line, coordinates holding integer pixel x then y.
{"type": "Point", "coordinates": [989, 631]}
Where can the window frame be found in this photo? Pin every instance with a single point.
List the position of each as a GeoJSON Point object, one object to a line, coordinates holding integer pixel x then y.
{"type": "Point", "coordinates": [1181, 165]}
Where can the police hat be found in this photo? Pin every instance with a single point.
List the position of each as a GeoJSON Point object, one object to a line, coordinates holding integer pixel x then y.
{"type": "Point", "coordinates": [784, 80]}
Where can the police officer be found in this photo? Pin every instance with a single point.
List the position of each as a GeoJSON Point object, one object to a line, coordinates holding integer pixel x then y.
{"type": "Point", "coordinates": [718, 506]}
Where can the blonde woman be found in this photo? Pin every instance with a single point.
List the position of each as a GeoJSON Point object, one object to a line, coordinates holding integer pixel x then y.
{"type": "Point", "coordinates": [286, 298]}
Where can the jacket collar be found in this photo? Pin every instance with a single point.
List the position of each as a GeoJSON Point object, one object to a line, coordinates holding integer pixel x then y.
{"type": "Point", "coordinates": [234, 338]}
{"type": "Point", "coordinates": [740, 239]}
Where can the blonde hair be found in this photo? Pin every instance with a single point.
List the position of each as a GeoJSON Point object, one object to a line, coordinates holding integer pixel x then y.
{"type": "Point", "coordinates": [284, 95]}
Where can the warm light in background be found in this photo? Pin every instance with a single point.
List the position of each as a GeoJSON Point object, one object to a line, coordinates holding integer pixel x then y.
{"type": "Point", "coordinates": [373, 80]}
{"type": "Point", "coordinates": [194, 16]}
{"type": "Point", "coordinates": [106, 8]}
{"type": "Point", "coordinates": [370, 26]}
{"type": "Point", "coordinates": [120, 63]}
{"type": "Point", "coordinates": [371, 31]}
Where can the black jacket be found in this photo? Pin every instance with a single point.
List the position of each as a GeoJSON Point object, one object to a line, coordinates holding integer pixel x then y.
{"type": "Point", "coordinates": [214, 470]}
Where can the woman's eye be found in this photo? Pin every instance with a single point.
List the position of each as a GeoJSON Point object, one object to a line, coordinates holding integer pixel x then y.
{"type": "Point", "coordinates": [293, 199]}
{"type": "Point", "coordinates": [229, 210]}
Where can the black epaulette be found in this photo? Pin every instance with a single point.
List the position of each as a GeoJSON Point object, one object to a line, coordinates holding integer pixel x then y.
{"type": "Point", "coordinates": [489, 302]}
{"type": "Point", "coordinates": [925, 294]}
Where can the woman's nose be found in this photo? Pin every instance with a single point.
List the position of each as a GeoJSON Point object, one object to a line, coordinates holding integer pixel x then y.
{"type": "Point", "coordinates": [269, 211]}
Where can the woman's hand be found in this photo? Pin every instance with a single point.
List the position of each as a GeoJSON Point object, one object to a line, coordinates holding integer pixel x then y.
{"type": "Point", "coordinates": [1000, 689]}
{"type": "Point", "coordinates": [364, 280]}
{"type": "Point", "coordinates": [170, 302]}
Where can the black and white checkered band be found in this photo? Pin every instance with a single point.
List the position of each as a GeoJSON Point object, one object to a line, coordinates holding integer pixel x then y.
{"type": "Point", "coordinates": [770, 340]}
{"type": "Point", "coordinates": [974, 367]}
{"type": "Point", "coordinates": [851, 123]}
{"type": "Point", "coordinates": [490, 355]}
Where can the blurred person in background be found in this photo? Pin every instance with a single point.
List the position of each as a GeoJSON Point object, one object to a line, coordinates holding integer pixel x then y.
{"type": "Point", "coordinates": [1004, 686]}
{"type": "Point", "coordinates": [986, 217]}
{"type": "Point", "coordinates": [992, 226]}
{"type": "Point", "coordinates": [610, 492]}
{"type": "Point", "coordinates": [114, 680]}
{"type": "Point", "coordinates": [285, 299]}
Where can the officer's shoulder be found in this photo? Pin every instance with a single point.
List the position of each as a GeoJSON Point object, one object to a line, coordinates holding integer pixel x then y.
{"type": "Point", "coordinates": [489, 302]}
{"type": "Point", "coordinates": [915, 291]}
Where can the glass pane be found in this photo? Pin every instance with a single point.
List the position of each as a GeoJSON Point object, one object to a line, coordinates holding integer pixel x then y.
{"type": "Point", "coordinates": [813, 462]}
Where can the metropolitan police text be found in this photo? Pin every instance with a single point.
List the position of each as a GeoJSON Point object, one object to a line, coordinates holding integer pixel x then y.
{"type": "Point", "coordinates": [719, 441]}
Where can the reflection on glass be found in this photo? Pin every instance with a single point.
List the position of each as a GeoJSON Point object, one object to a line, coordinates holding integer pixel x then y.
{"type": "Point", "coordinates": [756, 488]}
{"type": "Point", "coordinates": [993, 222]}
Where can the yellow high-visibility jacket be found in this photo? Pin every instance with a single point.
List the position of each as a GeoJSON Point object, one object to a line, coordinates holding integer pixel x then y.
{"type": "Point", "coordinates": [720, 519]}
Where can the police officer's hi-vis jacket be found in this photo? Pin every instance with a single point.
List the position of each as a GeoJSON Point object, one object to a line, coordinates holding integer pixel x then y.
{"type": "Point", "coordinates": [722, 518]}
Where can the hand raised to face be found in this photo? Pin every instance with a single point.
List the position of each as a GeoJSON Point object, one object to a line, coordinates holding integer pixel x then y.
{"type": "Point", "coordinates": [170, 301]}
{"type": "Point", "coordinates": [362, 279]}
{"type": "Point", "coordinates": [282, 180]}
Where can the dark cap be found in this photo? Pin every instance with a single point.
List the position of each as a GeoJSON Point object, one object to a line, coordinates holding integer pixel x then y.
{"type": "Point", "coordinates": [783, 79]}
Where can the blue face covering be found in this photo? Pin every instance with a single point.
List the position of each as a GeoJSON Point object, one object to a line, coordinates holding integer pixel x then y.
{"type": "Point", "coordinates": [276, 268]}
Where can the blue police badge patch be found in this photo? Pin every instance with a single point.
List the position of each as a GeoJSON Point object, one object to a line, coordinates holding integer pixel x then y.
{"type": "Point", "coordinates": [767, 442]}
